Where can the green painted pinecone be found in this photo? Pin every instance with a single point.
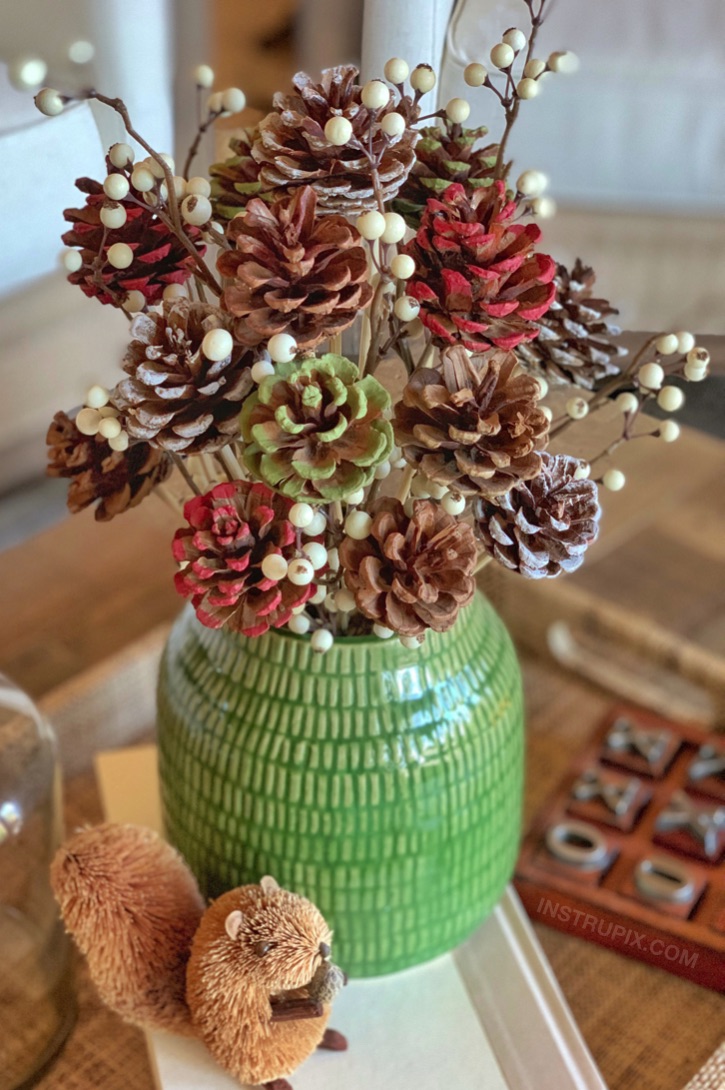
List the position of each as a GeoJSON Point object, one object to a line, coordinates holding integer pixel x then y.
{"type": "Point", "coordinates": [236, 180]}
{"type": "Point", "coordinates": [445, 155]}
{"type": "Point", "coordinates": [315, 430]}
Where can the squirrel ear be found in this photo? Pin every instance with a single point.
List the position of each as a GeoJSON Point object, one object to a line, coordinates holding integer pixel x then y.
{"type": "Point", "coordinates": [233, 924]}
{"type": "Point", "coordinates": [269, 884]}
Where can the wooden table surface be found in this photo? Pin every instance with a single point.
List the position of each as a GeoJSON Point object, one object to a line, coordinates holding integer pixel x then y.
{"type": "Point", "coordinates": [83, 590]}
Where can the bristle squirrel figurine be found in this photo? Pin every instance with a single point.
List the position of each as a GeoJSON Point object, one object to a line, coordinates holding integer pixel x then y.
{"type": "Point", "coordinates": [250, 976]}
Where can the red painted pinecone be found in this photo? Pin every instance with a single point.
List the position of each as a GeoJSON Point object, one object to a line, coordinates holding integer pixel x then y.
{"type": "Point", "coordinates": [411, 573]}
{"type": "Point", "coordinates": [175, 398]}
{"type": "Point", "coordinates": [231, 530]}
{"type": "Point", "coordinates": [293, 150]}
{"type": "Point", "coordinates": [444, 155]}
{"type": "Point", "coordinates": [542, 527]}
{"type": "Point", "coordinates": [159, 259]}
{"type": "Point", "coordinates": [113, 480]}
{"type": "Point", "coordinates": [474, 424]}
{"type": "Point", "coordinates": [478, 278]}
{"type": "Point", "coordinates": [235, 180]}
{"type": "Point", "coordinates": [576, 337]}
{"type": "Point", "coordinates": [293, 271]}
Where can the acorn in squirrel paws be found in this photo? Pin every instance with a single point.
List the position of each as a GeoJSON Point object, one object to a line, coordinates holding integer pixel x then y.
{"type": "Point", "coordinates": [250, 975]}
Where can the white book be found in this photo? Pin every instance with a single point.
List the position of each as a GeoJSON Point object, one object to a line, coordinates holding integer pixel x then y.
{"type": "Point", "coordinates": [490, 1016]}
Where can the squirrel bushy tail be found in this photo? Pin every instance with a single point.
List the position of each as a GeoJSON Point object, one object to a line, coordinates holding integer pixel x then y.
{"type": "Point", "coordinates": [133, 907]}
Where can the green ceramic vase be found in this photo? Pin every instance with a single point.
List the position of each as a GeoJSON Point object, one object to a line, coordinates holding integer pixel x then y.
{"type": "Point", "coordinates": [383, 783]}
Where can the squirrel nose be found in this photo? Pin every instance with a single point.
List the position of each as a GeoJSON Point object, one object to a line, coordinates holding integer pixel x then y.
{"type": "Point", "coordinates": [324, 950]}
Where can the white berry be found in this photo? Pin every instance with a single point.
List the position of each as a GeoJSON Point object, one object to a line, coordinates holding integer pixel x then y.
{"type": "Point", "coordinates": [502, 55]}
{"type": "Point", "coordinates": [669, 431]}
{"type": "Point", "coordinates": [358, 525]}
{"type": "Point", "coordinates": [685, 341]}
{"type": "Point", "coordinates": [651, 376]}
{"type": "Point", "coordinates": [382, 632]}
{"type": "Point", "coordinates": [475, 75]}
{"type": "Point", "coordinates": [577, 408]}
{"type": "Point", "coordinates": [375, 94]}
{"type": "Point", "coordinates": [371, 225]}
{"type": "Point", "coordinates": [627, 403]}
{"type": "Point", "coordinates": [155, 165]}
{"type": "Point", "coordinates": [695, 374]}
{"type": "Point", "coordinates": [402, 267]}
{"type": "Point", "coordinates": [142, 179]}
{"type": "Point", "coordinates": [113, 216]}
{"type": "Point", "coordinates": [121, 155]}
{"type": "Point", "coordinates": [300, 624]}
{"type": "Point", "coordinates": [453, 503]}
{"type": "Point", "coordinates": [26, 73]}
{"type": "Point", "coordinates": [670, 398]}
{"type": "Point", "coordinates": [174, 291]}
{"type": "Point", "coordinates": [411, 642]}
{"type": "Point", "coordinates": [582, 471]}
{"type": "Point", "coordinates": [458, 110]}
{"type": "Point", "coordinates": [198, 187]}
{"type": "Point", "coordinates": [120, 255]}
{"type": "Point", "coordinates": [406, 308]}
{"type": "Point", "coordinates": [134, 301]}
{"type": "Point", "coordinates": [543, 385]}
{"type": "Point", "coordinates": [274, 566]}
{"type": "Point", "coordinates": [667, 344]}
{"type": "Point", "coordinates": [300, 572]}
{"type": "Point", "coordinates": [547, 412]}
{"type": "Point", "coordinates": [345, 600]}
{"type": "Point", "coordinates": [394, 227]}
{"type": "Point", "coordinates": [564, 62]}
{"type": "Point", "coordinates": [355, 497]}
{"type": "Point", "coordinates": [321, 640]}
{"type": "Point", "coordinates": [110, 427]}
{"type": "Point", "coordinates": [119, 442]}
{"type": "Point", "coordinates": [196, 209]}
{"type": "Point", "coordinates": [217, 344]}
{"type": "Point", "coordinates": [393, 124]}
{"type": "Point", "coordinates": [261, 369]}
{"type": "Point", "coordinates": [88, 421]}
{"type": "Point", "coordinates": [614, 480]}
{"type": "Point", "coordinates": [396, 70]}
{"type": "Point", "coordinates": [527, 88]}
{"type": "Point", "coordinates": [301, 515]}
{"type": "Point", "coordinates": [316, 553]}
{"type": "Point", "coordinates": [419, 487]}
{"type": "Point", "coordinates": [214, 103]}
{"type": "Point", "coordinates": [422, 78]}
{"type": "Point", "coordinates": [203, 76]}
{"type": "Point", "coordinates": [282, 347]}
{"type": "Point", "coordinates": [698, 357]}
{"type": "Point", "coordinates": [333, 559]}
{"type": "Point", "coordinates": [97, 397]}
{"type": "Point", "coordinates": [532, 183]}
{"type": "Point", "coordinates": [50, 102]}
{"type": "Point", "coordinates": [534, 68]}
{"type": "Point", "coordinates": [72, 260]}
{"type": "Point", "coordinates": [317, 526]}
{"type": "Point", "coordinates": [382, 471]}
{"type": "Point", "coordinates": [116, 186]}
{"type": "Point", "coordinates": [233, 100]}
{"type": "Point", "coordinates": [338, 131]}
{"type": "Point", "coordinates": [544, 207]}
{"type": "Point", "coordinates": [319, 596]}
{"type": "Point", "coordinates": [515, 38]}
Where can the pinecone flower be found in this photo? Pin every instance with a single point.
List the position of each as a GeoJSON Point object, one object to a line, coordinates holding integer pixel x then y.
{"type": "Point", "coordinates": [159, 259]}
{"type": "Point", "coordinates": [293, 272]}
{"type": "Point", "coordinates": [315, 430]}
{"type": "Point", "coordinates": [292, 148]}
{"type": "Point", "coordinates": [478, 279]}
{"type": "Point", "coordinates": [231, 530]}
{"type": "Point", "coordinates": [236, 180]}
{"type": "Point", "coordinates": [542, 527]}
{"type": "Point", "coordinates": [411, 573]}
{"type": "Point", "coordinates": [474, 425]}
{"type": "Point", "coordinates": [175, 398]}
{"type": "Point", "coordinates": [575, 343]}
{"type": "Point", "coordinates": [113, 480]}
{"type": "Point", "coordinates": [443, 156]}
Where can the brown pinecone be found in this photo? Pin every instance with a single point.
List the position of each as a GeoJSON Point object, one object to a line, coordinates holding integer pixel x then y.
{"type": "Point", "coordinates": [293, 150]}
{"type": "Point", "coordinates": [293, 271]}
{"type": "Point", "coordinates": [575, 342]}
{"type": "Point", "coordinates": [117, 480]}
{"type": "Point", "coordinates": [542, 527]}
{"type": "Point", "coordinates": [159, 259]}
{"type": "Point", "coordinates": [236, 180]}
{"type": "Point", "coordinates": [175, 398]}
{"type": "Point", "coordinates": [473, 425]}
{"type": "Point", "coordinates": [443, 156]}
{"type": "Point", "coordinates": [411, 573]}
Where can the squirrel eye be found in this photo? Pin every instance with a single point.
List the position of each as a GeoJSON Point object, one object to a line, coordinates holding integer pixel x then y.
{"type": "Point", "coordinates": [262, 948]}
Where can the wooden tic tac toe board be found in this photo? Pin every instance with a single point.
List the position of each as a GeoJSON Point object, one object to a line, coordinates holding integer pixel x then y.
{"type": "Point", "coordinates": [630, 852]}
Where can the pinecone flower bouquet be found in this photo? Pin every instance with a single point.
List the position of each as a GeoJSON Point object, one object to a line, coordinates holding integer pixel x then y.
{"type": "Point", "coordinates": [330, 492]}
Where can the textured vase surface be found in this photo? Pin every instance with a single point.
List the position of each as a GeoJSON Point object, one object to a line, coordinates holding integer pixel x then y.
{"type": "Point", "coordinates": [383, 783]}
